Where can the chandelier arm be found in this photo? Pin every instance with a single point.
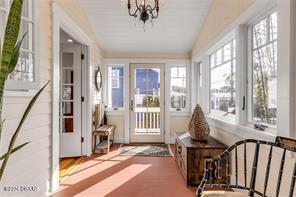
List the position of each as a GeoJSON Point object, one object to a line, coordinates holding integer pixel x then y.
{"type": "Point", "coordinates": [133, 14]}
{"type": "Point", "coordinates": [155, 6]}
{"type": "Point", "coordinates": [136, 1]}
{"type": "Point", "coordinates": [152, 15]}
{"type": "Point", "coordinates": [148, 7]}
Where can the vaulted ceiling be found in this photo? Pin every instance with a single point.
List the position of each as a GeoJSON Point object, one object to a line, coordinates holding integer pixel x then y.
{"type": "Point", "coordinates": [174, 31]}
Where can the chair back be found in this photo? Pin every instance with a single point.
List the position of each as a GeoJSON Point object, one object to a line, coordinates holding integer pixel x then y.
{"type": "Point", "coordinates": [260, 167]}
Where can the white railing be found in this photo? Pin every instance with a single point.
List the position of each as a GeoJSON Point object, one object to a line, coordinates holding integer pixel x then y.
{"type": "Point", "coordinates": [148, 118]}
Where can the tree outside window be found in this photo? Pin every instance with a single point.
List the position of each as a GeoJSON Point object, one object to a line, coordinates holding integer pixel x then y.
{"type": "Point", "coordinates": [264, 56]}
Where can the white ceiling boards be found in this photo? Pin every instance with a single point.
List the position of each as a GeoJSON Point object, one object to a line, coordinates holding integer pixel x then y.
{"type": "Point", "coordinates": [174, 31]}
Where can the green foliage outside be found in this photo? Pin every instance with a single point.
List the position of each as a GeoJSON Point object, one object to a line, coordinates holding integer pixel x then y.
{"type": "Point", "coordinates": [150, 101]}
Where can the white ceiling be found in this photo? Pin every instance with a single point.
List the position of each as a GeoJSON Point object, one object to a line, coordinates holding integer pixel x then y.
{"type": "Point", "coordinates": [174, 31]}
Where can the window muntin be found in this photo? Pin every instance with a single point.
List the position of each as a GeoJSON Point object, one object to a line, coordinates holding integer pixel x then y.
{"type": "Point", "coordinates": [115, 86]}
{"type": "Point", "coordinates": [25, 70]}
{"type": "Point", "coordinates": [222, 82]}
{"type": "Point", "coordinates": [178, 88]}
{"type": "Point", "coordinates": [115, 78]}
{"type": "Point", "coordinates": [264, 71]}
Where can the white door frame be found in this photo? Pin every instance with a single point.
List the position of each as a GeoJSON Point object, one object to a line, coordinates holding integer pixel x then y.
{"type": "Point", "coordinates": [62, 21]}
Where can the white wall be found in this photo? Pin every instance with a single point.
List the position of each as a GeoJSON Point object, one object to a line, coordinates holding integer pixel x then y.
{"type": "Point", "coordinates": [30, 166]}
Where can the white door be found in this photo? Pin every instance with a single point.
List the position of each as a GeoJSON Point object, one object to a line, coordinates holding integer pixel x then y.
{"type": "Point", "coordinates": [70, 101]}
{"type": "Point", "coordinates": [147, 102]}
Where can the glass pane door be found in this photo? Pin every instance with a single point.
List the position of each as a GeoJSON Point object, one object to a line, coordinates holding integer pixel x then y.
{"type": "Point", "coordinates": [147, 101]}
{"type": "Point", "coordinates": [67, 94]}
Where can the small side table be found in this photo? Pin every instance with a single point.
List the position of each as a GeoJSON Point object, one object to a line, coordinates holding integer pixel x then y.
{"type": "Point", "coordinates": [103, 131]}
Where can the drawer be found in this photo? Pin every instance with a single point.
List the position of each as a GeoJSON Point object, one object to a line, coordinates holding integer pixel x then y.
{"type": "Point", "coordinates": [181, 158]}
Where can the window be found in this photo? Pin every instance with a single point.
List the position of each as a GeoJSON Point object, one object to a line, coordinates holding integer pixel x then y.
{"type": "Point", "coordinates": [115, 86]}
{"type": "Point", "coordinates": [264, 71]}
{"type": "Point", "coordinates": [25, 74]}
{"type": "Point", "coordinates": [115, 78]}
{"type": "Point", "coordinates": [178, 88]}
{"type": "Point", "coordinates": [222, 82]}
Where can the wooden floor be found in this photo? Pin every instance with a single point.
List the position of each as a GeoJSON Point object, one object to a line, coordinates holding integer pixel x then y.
{"type": "Point", "coordinates": [67, 165]}
{"type": "Point", "coordinates": [125, 176]}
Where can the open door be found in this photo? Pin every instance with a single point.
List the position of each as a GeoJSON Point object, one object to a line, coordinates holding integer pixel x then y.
{"type": "Point", "coordinates": [70, 100]}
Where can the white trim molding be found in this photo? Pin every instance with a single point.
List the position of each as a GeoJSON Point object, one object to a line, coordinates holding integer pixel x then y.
{"type": "Point", "coordinates": [62, 21]}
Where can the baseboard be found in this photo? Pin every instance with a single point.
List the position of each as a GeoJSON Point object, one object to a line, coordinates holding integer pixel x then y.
{"type": "Point", "coordinates": [172, 140]}
{"type": "Point", "coordinates": [119, 140]}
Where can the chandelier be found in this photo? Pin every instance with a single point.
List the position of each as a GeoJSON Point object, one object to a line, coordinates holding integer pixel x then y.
{"type": "Point", "coordinates": [144, 10]}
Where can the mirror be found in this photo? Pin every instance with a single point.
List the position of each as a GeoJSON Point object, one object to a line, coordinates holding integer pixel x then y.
{"type": "Point", "coordinates": [98, 79]}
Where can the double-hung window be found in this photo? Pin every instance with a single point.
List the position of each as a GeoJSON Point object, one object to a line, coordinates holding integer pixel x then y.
{"type": "Point", "coordinates": [263, 86]}
{"type": "Point", "coordinates": [25, 75]}
{"type": "Point", "coordinates": [222, 82]}
{"type": "Point", "coordinates": [178, 88]}
{"type": "Point", "coordinates": [115, 87]}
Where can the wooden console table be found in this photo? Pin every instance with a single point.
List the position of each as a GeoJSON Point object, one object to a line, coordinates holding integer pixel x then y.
{"type": "Point", "coordinates": [190, 157]}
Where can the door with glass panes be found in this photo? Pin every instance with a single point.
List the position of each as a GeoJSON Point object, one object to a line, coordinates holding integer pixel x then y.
{"type": "Point", "coordinates": [147, 102]}
{"type": "Point", "coordinates": [70, 101]}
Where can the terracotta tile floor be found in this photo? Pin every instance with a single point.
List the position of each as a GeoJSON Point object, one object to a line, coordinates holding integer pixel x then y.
{"type": "Point", "coordinates": [125, 176]}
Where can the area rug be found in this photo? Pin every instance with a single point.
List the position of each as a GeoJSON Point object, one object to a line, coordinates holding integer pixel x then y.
{"type": "Point", "coordinates": [150, 150]}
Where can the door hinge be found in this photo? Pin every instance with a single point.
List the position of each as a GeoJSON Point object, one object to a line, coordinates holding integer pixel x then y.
{"type": "Point", "coordinates": [82, 139]}
{"type": "Point", "coordinates": [82, 56]}
{"type": "Point", "coordinates": [82, 99]}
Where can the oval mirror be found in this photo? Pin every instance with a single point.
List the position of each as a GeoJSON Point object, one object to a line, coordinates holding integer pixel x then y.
{"type": "Point", "coordinates": [98, 79]}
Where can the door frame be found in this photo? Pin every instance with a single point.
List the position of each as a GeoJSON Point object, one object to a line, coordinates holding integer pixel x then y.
{"type": "Point", "coordinates": [62, 21]}
{"type": "Point", "coordinates": [133, 66]}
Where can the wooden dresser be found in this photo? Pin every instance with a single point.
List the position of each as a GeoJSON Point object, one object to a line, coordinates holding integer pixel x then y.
{"type": "Point", "coordinates": [190, 157]}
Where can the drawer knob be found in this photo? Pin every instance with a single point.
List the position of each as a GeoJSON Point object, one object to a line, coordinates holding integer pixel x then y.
{"type": "Point", "coordinates": [179, 149]}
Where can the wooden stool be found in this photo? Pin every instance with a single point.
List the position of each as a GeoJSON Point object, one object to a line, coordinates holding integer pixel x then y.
{"type": "Point", "coordinates": [107, 131]}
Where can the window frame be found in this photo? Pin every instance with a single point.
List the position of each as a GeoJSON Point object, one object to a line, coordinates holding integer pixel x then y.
{"type": "Point", "coordinates": [20, 85]}
{"type": "Point", "coordinates": [220, 45]}
{"type": "Point", "coordinates": [187, 105]}
{"type": "Point", "coordinates": [272, 129]}
{"type": "Point", "coordinates": [108, 108]}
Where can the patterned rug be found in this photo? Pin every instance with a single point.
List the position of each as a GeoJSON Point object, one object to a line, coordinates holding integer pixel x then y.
{"type": "Point", "coordinates": [150, 150]}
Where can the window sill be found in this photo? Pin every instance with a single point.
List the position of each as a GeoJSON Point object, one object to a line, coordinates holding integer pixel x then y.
{"type": "Point", "coordinates": [180, 113]}
{"type": "Point", "coordinates": [111, 112]}
{"type": "Point", "coordinates": [220, 118]}
{"type": "Point", "coordinates": [23, 93]}
{"type": "Point", "coordinates": [243, 132]}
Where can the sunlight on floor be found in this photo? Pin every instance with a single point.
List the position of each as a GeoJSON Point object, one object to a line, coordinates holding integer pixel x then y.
{"type": "Point", "coordinates": [115, 181]}
{"type": "Point", "coordinates": [114, 175]}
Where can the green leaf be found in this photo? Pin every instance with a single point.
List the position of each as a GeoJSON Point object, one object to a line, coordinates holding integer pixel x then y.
{"type": "Point", "coordinates": [11, 32]}
{"type": "Point", "coordinates": [14, 137]}
{"type": "Point", "coordinates": [14, 150]}
{"type": "Point", "coordinates": [15, 55]}
{"type": "Point", "coordinates": [10, 39]}
{"type": "Point", "coordinates": [1, 123]}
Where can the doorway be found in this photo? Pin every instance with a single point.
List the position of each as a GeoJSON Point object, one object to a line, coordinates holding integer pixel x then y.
{"type": "Point", "coordinates": [147, 103]}
{"type": "Point", "coordinates": [70, 121]}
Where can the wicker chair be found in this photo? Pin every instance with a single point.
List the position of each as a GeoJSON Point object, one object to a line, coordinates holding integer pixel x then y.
{"type": "Point", "coordinates": [238, 176]}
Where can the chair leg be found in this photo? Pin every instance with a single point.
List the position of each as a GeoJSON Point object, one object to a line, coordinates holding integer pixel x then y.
{"type": "Point", "coordinates": [94, 143]}
{"type": "Point", "coordinates": [108, 144]}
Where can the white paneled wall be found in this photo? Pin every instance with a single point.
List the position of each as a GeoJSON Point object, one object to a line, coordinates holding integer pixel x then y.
{"type": "Point", "coordinates": [31, 165]}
